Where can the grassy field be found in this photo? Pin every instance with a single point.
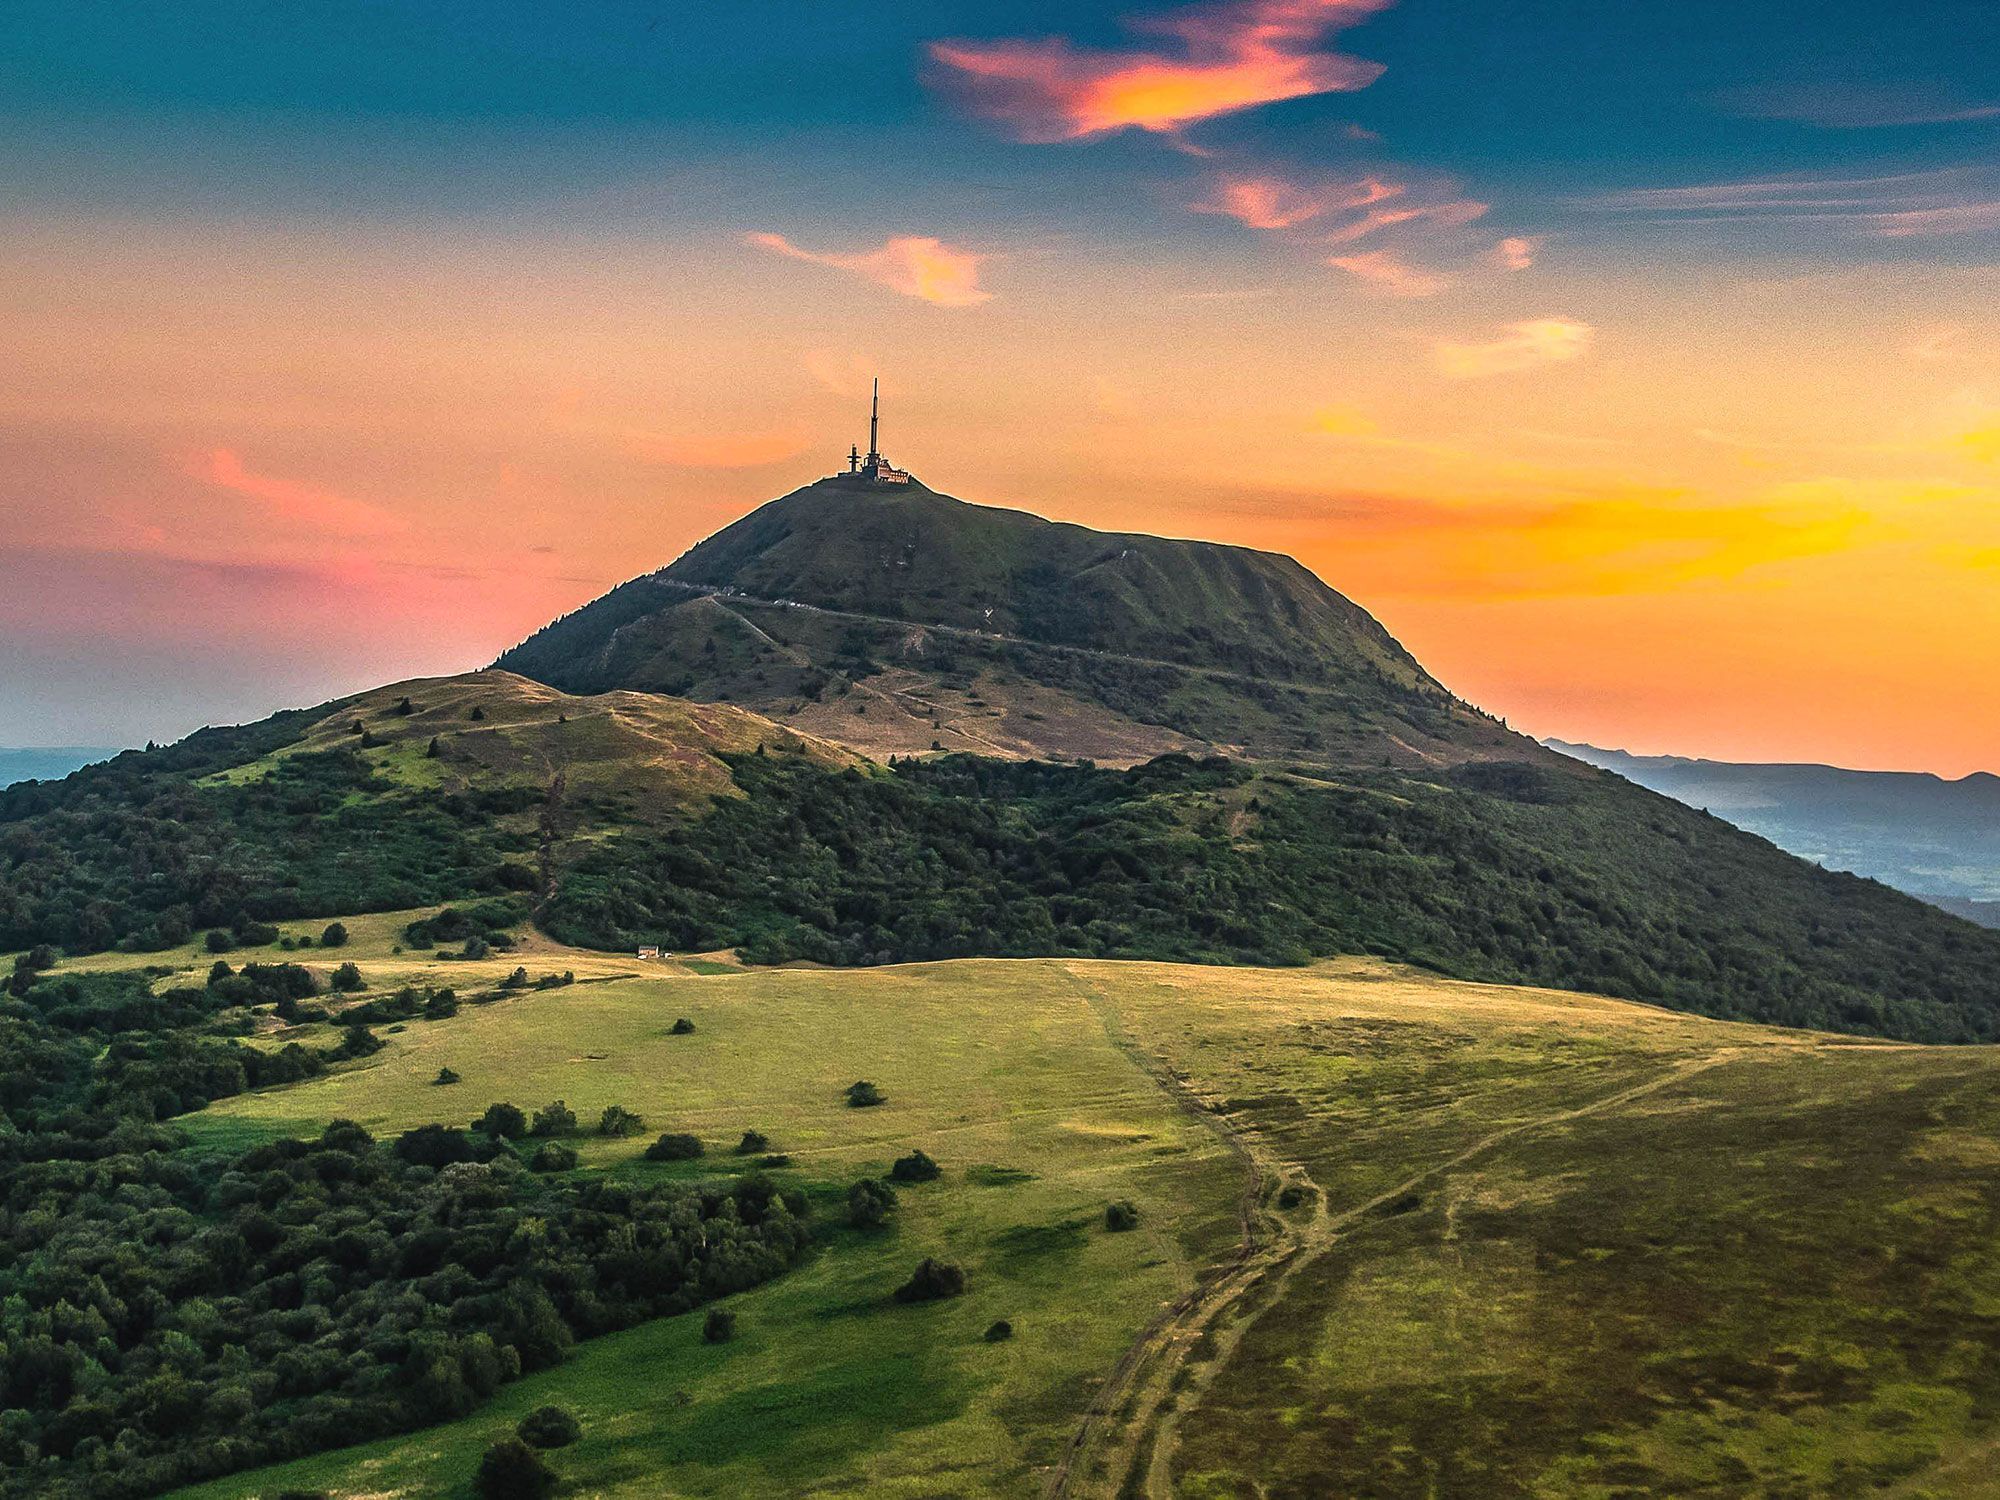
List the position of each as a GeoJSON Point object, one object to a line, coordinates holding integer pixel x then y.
{"type": "Point", "coordinates": [1506, 1242]}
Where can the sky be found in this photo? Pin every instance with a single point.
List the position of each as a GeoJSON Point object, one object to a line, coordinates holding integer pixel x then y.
{"type": "Point", "coordinates": [1637, 365]}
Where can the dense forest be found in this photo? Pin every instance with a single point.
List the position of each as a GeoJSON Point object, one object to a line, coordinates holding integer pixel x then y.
{"type": "Point", "coordinates": [1503, 871]}
{"type": "Point", "coordinates": [168, 1314]}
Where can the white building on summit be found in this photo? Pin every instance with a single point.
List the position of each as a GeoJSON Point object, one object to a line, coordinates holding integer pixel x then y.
{"type": "Point", "coordinates": [874, 468]}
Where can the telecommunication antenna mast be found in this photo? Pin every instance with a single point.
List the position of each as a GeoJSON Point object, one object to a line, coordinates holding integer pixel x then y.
{"type": "Point", "coordinates": [874, 424]}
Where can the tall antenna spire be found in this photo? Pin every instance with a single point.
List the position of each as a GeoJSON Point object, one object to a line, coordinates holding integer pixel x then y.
{"type": "Point", "coordinates": [874, 419]}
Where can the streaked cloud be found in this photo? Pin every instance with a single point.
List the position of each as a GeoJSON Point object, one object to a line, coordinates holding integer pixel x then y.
{"type": "Point", "coordinates": [1520, 346]}
{"type": "Point", "coordinates": [1217, 59]}
{"type": "Point", "coordinates": [1854, 107]}
{"type": "Point", "coordinates": [309, 506]}
{"type": "Point", "coordinates": [1516, 252]}
{"type": "Point", "coordinates": [1943, 201]}
{"type": "Point", "coordinates": [916, 265]}
{"type": "Point", "coordinates": [1263, 202]}
{"type": "Point", "coordinates": [1385, 271]}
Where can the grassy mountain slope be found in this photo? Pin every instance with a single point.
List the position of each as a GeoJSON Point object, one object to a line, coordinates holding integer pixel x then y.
{"type": "Point", "coordinates": [991, 617]}
{"type": "Point", "coordinates": [345, 808]}
{"type": "Point", "coordinates": [1535, 1243]}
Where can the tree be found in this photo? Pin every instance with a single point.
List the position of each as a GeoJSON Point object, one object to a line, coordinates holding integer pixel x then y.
{"type": "Point", "coordinates": [863, 1095]}
{"type": "Point", "coordinates": [916, 1167]}
{"type": "Point", "coordinates": [218, 941]}
{"type": "Point", "coordinates": [753, 1141]}
{"type": "Point", "coordinates": [681, 1027]}
{"type": "Point", "coordinates": [553, 1118]}
{"type": "Point", "coordinates": [672, 1147]}
{"type": "Point", "coordinates": [502, 1121]}
{"type": "Point", "coordinates": [869, 1202]}
{"type": "Point", "coordinates": [511, 1470]}
{"type": "Point", "coordinates": [335, 935]}
{"type": "Point", "coordinates": [553, 1156]}
{"type": "Point", "coordinates": [347, 978]}
{"type": "Point", "coordinates": [433, 1146]}
{"type": "Point", "coordinates": [932, 1280]}
{"type": "Point", "coordinates": [549, 1427]}
{"type": "Point", "coordinates": [618, 1120]}
{"type": "Point", "coordinates": [719, 1327]}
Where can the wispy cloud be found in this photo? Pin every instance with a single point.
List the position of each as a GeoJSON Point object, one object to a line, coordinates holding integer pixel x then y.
{"type": "Point", "coordinates": [1517, 252]}
{"type": "Point", "coordinates": [319, 510]}
{"type": "Point", "coordinates": [1519, 346]}
{"type": "Point", "coordinates": [1386, 272]}
{"type": "Point", "coordinates": [1219, 59]}
{"type": "Point", "coordinates": [1855, 107]}
{"type": "Point", "coordinates": [1905, 205]}
{"type": "Point", "coordinates": [915, 265]}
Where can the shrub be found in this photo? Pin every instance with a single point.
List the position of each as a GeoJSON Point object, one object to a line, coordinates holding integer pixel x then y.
{"type": "Point", "coordinates": [549, 1427]}
{"type": "Point", "coordinates": [932, 1280]}
{"type": "Point", "coordinates": [719, 1327]}
{"type": "Point", "coordinates": [753, 1141]}
{"type": "Point", "coordinates": [999, 1331]}
{"type": "Point", "coordinates": [518, 980]}
{"type": "Point", "coordinates": [862, 1095]}
{"type": "Point", "coordinates": [335, 935]}
{"type": "Point", "coordinates": [219, 970]}
{"type": "Point", "coordinates": [777, 1159]}
{"type": "Point", "coordinates": [445, 1075]}
{"type": "Point", "coordinates": [253, 934]}
{"type": "Point", "coordinates": [1291, 1195]}
{"type": "Point", "coordinates": [37, 959]}
{"type": "Point", "coordinates": [674, 1148]}
{"type": "Point", "coordinates": [680, 1027]}
{"type": "Point", "coordinates": [1121, 1216]}
{"type": "Point", "coordinates": [553, 1118]}
{"type": "Point", "coordinates": [347, 978]}
{"type": "Point", "coordinates": [511, 1470]}
{"type": "Point", "coordinates": [218, 941]}
{"type": "Point", "coordinates": [358, 1041]}
{"type": "Point", "coordinates": [502, 1121]}
{"type": "Point", "coordinates": [869, 1202]}
{"type": "Point", "coordinates": [916, 1167]}
{"type": "Point", "coordinates": [553, 1156]}
{"type": "Point", "coordinates": [618, 1120]}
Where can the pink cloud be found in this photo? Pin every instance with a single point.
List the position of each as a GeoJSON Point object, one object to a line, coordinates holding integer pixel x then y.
{"type": "Point", "coordinates": [1272, 203]}
{"type": "Point", "coordinates": [307, 505]}
{"type": "Point", "coordinates": [1226, 58]}
{"type": "Point", "coordinates": [1455, 213]}
{"type": "Point", "coordinates": [1517, 252]}
{"type": "Point", "coordinates": [1386, 272]}
{"type": "Point", "coordinates": [915, 265]}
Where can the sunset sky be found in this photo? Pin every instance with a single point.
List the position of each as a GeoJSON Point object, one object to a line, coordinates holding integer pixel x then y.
{"type": "Point", "coordinates": [1637, 364]}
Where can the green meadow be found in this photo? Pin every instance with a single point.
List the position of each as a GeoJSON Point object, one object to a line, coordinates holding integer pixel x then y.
{"type": "Point", "coordinates": [1501, 1242]}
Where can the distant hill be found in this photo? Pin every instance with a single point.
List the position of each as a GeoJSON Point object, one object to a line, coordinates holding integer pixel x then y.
{"type": "Point", "coordinates": [1920, 833]}
{"type": "Point", "coordinates": [896, 620]}
{"type": "Point", "coordinates": [48, 764]}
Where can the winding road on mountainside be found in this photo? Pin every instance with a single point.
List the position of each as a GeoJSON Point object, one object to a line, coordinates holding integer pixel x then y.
{"type": "Point", "coordinates": [726, 598]}
{"type": "Point", "coordinates": [1155, 1382]}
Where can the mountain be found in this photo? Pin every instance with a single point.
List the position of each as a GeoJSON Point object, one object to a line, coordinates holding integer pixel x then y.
{"type": "Point", "coordinates": [1917, 832]}
{"type": "Point", "coordinates": [898, 620]}
{"type": "Point", "coordinates": [1356, 807]}
{"type": "Point", "coordinates": [49, 763]}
